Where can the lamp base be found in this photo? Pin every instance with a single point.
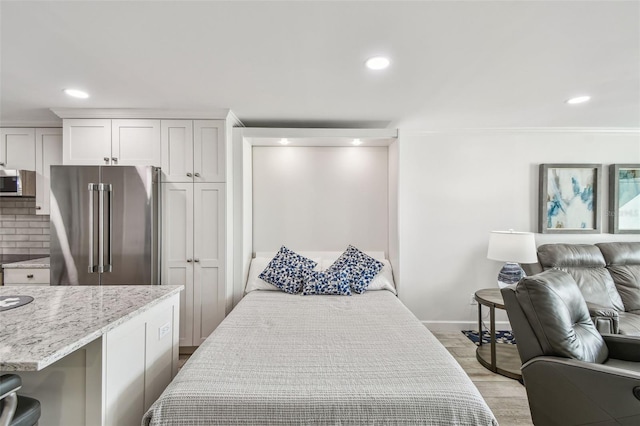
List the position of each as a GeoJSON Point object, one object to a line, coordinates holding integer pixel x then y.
{"type": "Point", "coordinates": [510, 273]}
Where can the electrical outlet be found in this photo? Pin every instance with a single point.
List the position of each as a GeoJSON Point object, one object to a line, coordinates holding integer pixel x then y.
{"type": "Point", "coordinates": [163, 330]}
{"type": "Point", "coordinates": [473, 300]}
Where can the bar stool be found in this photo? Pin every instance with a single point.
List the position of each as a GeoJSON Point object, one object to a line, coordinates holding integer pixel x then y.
{"type": "Point", "coordinates": [16, 410]}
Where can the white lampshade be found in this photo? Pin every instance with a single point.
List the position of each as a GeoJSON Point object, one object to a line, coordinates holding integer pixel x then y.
{"type": "Point", "coordinates": [512, 246]}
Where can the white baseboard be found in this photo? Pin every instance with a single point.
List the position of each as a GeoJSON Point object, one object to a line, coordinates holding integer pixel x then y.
{"type": "Point", "coordinates": [461, 325]}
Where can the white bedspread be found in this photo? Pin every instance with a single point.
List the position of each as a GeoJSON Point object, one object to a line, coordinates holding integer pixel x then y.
{"type": "Point", "coordinates": [291, 359]}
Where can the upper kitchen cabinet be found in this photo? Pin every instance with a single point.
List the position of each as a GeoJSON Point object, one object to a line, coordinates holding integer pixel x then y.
{"type": "Point", "coordinates": [111, 142]}
{"type": "Point", "coordinates": [193, 150]}
{"type": "Point", "coordinates": [18, 148]}
{"type": "Point", "coordinates": [48, 153]}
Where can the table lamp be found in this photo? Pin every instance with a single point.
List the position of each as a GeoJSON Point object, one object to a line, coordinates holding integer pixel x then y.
{"type": "Point", "coordinates": [513, 248]}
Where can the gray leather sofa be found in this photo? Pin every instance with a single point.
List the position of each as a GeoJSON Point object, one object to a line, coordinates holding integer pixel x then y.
{"type": "Point", "coordinates": [608, 275]}
{"type": "Point", "coordinates": [572, 374]}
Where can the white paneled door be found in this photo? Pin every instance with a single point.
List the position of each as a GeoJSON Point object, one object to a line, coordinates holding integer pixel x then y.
{"type": "Point", "coordinates": [176, 141]}
{"type": "Point", "coordinates": [48, 153]}
{"type": "Point", "coordinates": [208, 151]}
{"type": "Point", "coordinates": [177, 250]}
{"type": "Point", "coordinates": [208, 277]}
{"type": "Point", "coordinates": [135, 142]}
{"type": "Point", "coordinates": [17, 148]}
{"type": "Point", "coordinates": [193, 254]}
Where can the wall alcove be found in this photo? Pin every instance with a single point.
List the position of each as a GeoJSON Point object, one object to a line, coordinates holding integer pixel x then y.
{"type": "Point", "coordinates": [317, 192]}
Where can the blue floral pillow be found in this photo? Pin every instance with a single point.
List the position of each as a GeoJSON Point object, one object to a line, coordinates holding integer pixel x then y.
{"type": "Point", "coordinates": [327, 282]}
{"type": "Point", "coordinates": [287, 270]}
{"type": "Point", "coordinates": [360, 267]}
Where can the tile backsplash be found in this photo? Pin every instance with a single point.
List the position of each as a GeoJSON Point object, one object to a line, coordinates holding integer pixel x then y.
{"type": "Point", "coordinates": [21, 231]}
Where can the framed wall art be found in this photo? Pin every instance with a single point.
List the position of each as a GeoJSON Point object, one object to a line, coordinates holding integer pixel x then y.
{"type": "Point", "coordinates": [569, 200]}
{"type": "Point", "coordinates": [624, 199]}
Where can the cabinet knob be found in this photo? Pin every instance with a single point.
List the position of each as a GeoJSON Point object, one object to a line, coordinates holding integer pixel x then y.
{"type": "Point", "coordinates": [196, 174]}
{"type": "Point", "coordinates": [1, 164]}
{"type": "Point", "coordinates": [188, 260]}
{"type": "Point", "coordinates": [106, 160]}
{"type": "Point", "coordinates": [189, 175]}
{"type": "Point", "coordinates": [196, 260]}
{"type": "Point", "coordinates": [38, 208]}
{"type": "Point", "coordinates": [29, 275]}
{"type": "Point", "coordinates": [114, 159]}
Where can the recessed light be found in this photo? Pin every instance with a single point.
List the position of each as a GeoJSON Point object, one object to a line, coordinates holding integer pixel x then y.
{"type": "Point", "coordinates": [578, 100]}
{"type": "Point", "coordinates": [76, 93]}
{"type": "Point", "coordinates": [357, 142]}
{"type": "Point", "coordinates": [377, 63]}
{"type": "Point", "coordinates": [284, 141]}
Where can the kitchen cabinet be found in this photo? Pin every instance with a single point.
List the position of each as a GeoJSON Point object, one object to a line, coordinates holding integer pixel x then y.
{"type": "Point", "coordinates": [48, 153]}
{"type": "Point", "coordinates": [17, 148]}
{"type": "Point", "coordinates": [26, 276]}
{"type": "Point", "coordinates": [193, 150]}
{"type": "Point", "coordinates": [193, 223]}
{"type": "Point", "coordinates": [127, 142]}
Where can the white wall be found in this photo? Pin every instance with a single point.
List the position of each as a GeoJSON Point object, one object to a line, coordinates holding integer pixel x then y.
{"type": "Point", "coordinates": [456, 186]}
{"type": "Point", "coordinates": [320, 198]}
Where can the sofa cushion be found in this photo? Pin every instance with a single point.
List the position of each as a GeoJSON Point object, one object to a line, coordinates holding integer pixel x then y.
{"type": "Point", "coordinates": [629, 323]}
{"type": "Point", "coordinates": [623, 263]}
{"type": "Point", "coordinates": [558, 315]}
{"type": "Point", "coordinates": [586, 265]}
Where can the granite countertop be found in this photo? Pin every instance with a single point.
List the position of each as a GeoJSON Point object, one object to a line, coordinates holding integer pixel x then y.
{"type": "Point", "coordinates": [62, 319]}
{"type": "Point", "coordinates": [41, 263]}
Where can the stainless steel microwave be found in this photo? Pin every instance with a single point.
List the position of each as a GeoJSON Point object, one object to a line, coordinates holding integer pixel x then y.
{"type": "Point", "coordinates": [17, 183]}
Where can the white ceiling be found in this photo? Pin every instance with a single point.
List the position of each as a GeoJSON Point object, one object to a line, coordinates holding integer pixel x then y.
{"type": "Point", "coordinates": [454, 64]}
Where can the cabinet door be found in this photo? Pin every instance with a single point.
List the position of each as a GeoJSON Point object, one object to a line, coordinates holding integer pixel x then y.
{"type": "Point", "coordinates": [177, 150]}
{"type": "Point", "coordinates": [135, 142]}
{"type": "Point", "coordinates": [48, 153]}
{"type": "Point", "coordinates": [209, 240]}
{"type": "Point", "coordinates": [208, 151]}
{"type": "Point", "coordinates": [86, 142]}
{"type": "Point", "coordinates": [18, 149]}
{"type": "Point", "coordinates": [177, 250]}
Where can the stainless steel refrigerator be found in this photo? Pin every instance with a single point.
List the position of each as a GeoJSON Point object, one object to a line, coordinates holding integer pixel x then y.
{"type": "Point", "coordinates": [105, 227]}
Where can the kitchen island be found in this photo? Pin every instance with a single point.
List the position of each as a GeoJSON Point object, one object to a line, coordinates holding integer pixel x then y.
{"type": "Point", "coordinates": [92, 355]}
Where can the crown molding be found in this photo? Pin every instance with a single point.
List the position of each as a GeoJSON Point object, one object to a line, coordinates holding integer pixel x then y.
{"type": "Point", "coordinates": [33, 123]}
{"type": "Point", "coordinates": [139, 113]}
{"type": "Point", "coordinates": [627, 130]}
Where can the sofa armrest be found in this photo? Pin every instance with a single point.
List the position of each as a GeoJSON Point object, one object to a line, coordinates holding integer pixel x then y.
{"type": "Point", "coordinates": [626, 348]}
{"type": "Point", "coordinates": [565, 391]}
{"type": "Point", "coordinates": [604, 318]}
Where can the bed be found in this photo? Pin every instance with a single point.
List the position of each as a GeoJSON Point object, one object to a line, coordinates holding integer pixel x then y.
{"type": "Point", "coordinates": [280, 358]}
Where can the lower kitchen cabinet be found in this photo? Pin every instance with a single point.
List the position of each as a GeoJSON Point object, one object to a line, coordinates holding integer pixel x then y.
{"type": "Point", "coordinates": [193, 232]}
{"type": "Point", "coordinates": [26, 276]}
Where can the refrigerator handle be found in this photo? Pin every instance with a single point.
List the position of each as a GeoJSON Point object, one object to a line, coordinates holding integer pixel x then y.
{"type": "Point", "coordinates": [109, 189]}
{"type": "Point", "coordinates": [92, 189]}
{"type": "Point", "coordinates": [101, 228]}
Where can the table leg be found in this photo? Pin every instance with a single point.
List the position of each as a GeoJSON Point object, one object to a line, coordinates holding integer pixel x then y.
{"type": "Point", "coordinates": [479, 324]}
{"type": "Point", "coordinates": [492, 311]}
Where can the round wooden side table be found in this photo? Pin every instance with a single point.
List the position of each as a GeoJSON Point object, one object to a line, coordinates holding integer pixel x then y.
{"type": "Point", "coordinates": [502, 359]}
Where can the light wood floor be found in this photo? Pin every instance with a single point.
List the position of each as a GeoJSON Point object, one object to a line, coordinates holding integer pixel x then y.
{"type": "Point", "coordinates": [506, 397]}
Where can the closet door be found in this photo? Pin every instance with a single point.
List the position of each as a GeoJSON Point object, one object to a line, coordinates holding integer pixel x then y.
{"type": "Point", "coordinates": [209, 240]}
{"type": "Point", "coordinates": [177, 150]}
{"type": "Point", "coordinates": [177, 250]}
{"type": "Point", "coordinates": [208, 151]}
{"type": "Point", "coordinates": [17, 149]}
{"type": "Point", "coordinates": [48, 153]}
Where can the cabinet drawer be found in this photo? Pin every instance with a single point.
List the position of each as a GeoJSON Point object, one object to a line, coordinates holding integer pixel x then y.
{"type": "Point", "coordinates": [25, 276]}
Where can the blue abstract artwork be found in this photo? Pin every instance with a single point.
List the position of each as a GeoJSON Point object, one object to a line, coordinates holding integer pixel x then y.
{"type": "Point", "coordinates": [629, 199]}
{"type": "Point", "coordinates": [571, 198]}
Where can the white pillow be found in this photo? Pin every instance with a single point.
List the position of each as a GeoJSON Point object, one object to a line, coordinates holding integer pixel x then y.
{"type": "Point", "coordinates": [382, 281]}
{"type": "Point", "coordinates": [258, 264]}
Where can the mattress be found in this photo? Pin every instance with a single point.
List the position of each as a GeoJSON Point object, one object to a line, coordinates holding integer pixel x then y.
{"type": "Point", "coordinates": [290, 359]}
